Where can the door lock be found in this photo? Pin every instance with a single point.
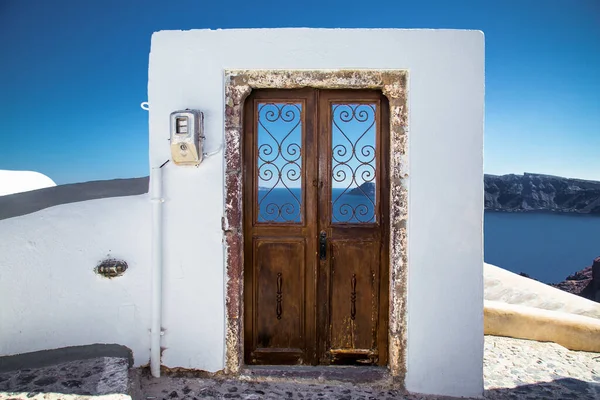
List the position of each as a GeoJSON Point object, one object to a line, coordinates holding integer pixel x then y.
{"type": "Point", "coordinates": [323, 245]}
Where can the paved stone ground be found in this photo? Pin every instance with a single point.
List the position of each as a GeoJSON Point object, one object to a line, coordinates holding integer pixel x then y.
{"type": "Point", "coordinates": [524, 369]}
{"type": "Point", "coordinates": [513, 369]}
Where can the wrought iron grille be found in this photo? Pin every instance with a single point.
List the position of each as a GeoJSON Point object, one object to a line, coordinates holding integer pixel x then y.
{"type": "Point", "coordinates": [353, 163]}
{"type": "Point", "coordinates": [279, 162]}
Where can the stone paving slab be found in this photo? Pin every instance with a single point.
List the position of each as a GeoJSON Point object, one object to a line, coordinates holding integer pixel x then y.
{"type": "Point", "coordinates": [90, 377]}
{"type": "Point", "coordinates": [170, 388]}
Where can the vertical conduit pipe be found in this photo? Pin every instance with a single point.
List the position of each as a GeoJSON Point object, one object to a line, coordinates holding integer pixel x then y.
{"type": "Point", "coordinates": [155, 333]}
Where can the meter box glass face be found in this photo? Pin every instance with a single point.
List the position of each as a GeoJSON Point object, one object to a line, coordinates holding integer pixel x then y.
{"type": "Point", "coordinates": [187, 135]}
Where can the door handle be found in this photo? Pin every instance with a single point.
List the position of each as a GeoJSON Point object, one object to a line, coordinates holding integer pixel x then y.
{"type": "Point", "coordinates": [323, 245]}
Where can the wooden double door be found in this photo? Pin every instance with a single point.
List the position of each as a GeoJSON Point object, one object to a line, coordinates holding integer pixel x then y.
{"type": "Point", "coordinates": [316, 227]}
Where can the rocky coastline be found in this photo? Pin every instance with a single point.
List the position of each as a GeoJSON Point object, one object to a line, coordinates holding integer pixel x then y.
{"type": "Point", "coordinates": [584, 283]}
{"type": "Point", "coordinates": [541, 193]}
{"type": "Point", "coordinates": [530, 193]}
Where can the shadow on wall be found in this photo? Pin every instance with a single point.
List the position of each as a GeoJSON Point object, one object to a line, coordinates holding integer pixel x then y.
{"type": "Point", "coordinates": [24, 203]}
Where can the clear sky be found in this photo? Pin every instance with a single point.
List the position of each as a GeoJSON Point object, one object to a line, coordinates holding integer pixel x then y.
{"type": "Point", "coordinates": [73, 74]}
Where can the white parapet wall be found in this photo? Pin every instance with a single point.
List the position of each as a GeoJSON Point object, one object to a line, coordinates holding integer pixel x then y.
{"type": "Point", "coordinates": [50, 295]}
{"type": "Point", "coordinates": [573, 331]}
{"type": "Point", "coordinates": [502, 286]}
{"type": "Point", "coordinates": [520, 307]}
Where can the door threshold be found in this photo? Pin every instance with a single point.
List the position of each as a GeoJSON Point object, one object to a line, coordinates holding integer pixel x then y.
{"type": "Point", "coordinates": [353, 374]}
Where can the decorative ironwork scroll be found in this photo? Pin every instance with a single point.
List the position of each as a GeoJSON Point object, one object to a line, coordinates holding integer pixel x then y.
{"type": "Point", "coordinates": [279, 295]}
{"type": "Point", "coordinates": [279, 162]}
{"type": "Point", "coordinates": [353, 163]}
{"type": "Point", "coordinates": [353, 298]}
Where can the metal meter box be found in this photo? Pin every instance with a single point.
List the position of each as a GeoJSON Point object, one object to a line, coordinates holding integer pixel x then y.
{"type": "Point", "coordinates": [187, 136]}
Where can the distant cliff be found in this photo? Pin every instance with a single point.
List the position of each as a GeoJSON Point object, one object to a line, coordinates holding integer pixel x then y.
{"type": "Point", "coordinates": [535, 192]}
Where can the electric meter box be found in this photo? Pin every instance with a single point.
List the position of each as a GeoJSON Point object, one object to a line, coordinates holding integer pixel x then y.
{"type": "Point", "coordinates": [187, 137]}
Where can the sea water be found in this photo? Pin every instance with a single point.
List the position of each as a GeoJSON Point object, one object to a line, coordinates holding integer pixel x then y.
{"type": "Point", "coordinates": [546, 246]}
{"type": "Point", "coordinates": [284, 205]}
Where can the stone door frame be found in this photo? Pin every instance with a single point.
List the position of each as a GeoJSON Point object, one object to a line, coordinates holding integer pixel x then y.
{"type": "Point", "coordinates": [238, 85]}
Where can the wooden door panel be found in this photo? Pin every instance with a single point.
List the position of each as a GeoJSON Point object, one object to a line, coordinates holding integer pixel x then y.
{"type": "Point", "coordinates": [353, 209]}
{"type": "Point", "coordinates": [279, 266]}
{"type": "Point", "coordinates": [354, 300]}
{"type": "Point", "coordinates": [315, 166]}
{"type": "Point", "coordinates": [279, 227]}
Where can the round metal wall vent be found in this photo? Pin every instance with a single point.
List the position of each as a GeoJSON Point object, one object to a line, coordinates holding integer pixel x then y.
{"type": "Point", "coordinates": [111, 268]}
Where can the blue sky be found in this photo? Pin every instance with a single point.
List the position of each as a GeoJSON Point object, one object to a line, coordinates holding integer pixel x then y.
{"type": "Point", "coordinates": [73, 74]}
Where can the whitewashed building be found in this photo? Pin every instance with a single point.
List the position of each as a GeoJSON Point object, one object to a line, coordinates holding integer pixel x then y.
{"type": "Point", "coordinates": [334, 215]}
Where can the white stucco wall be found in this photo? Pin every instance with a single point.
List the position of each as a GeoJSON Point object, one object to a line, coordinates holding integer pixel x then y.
{"type": "Point", "coordinates": [445, 277]}
{"type": "Point", "coordinates": [22, 181]}
{"type": "Point", "coordinates": [50, 296]}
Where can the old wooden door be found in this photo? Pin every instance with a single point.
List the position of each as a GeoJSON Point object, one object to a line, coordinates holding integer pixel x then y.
{"type": "Point", "coordinates": [316, 227]}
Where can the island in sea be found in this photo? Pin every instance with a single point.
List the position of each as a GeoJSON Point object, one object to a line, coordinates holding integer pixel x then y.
{"type": "Point", "coordinates": [367, 188]}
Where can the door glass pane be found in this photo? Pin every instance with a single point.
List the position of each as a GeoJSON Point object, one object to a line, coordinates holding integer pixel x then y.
{"type": "Point", "coordinates": [279, 162]}
{"type": "Point", "coordinates": [353, 163]}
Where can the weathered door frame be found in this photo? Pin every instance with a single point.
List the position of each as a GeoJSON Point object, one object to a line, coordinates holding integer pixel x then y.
{"type": "Point", "coordinates": [238, 85]}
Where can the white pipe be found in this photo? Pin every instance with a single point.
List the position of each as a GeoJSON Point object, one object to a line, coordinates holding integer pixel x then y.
{"type": "Point", "coordinates": [155, 333]}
